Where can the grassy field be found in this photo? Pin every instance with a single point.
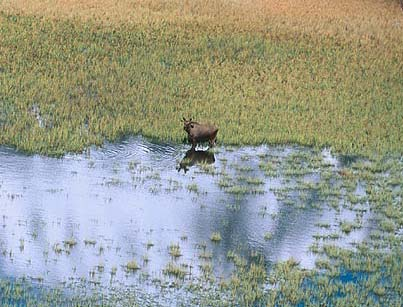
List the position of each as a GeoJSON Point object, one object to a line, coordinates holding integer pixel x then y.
{"type": "Point", "coordinates": [320, 73]}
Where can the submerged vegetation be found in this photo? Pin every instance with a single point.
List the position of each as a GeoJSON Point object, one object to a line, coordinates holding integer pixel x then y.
{"type": "Point", "coordinates": [68, 83]}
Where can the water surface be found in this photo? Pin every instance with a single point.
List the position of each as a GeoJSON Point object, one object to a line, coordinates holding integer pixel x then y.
{"type": "Point", "coordinates": [84, 216]}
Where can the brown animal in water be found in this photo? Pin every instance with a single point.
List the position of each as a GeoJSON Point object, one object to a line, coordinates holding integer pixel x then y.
{"type": "Point", "coordinates": [199, 133]}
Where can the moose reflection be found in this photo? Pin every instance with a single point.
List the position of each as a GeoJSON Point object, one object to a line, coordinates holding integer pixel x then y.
{"type": "Point", "coordinates": [193, 157]}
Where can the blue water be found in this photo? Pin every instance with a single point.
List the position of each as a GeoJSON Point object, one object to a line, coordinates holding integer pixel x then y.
{"type": "Point", "coordinates": [132, 200]}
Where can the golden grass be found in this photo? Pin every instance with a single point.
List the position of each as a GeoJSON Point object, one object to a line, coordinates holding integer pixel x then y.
{"type": "Point", "coordinates": [324, 73]}
{"type": "Point", "coordinates": [357, 18]}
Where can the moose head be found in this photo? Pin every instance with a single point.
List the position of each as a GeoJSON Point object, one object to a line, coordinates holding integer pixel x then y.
{"type": "Point", "coordinates": [187, 124]}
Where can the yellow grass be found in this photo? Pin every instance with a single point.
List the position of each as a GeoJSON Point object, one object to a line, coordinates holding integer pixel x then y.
{"type": "Point", "coordinates": [381, 19]}
{"type": "Point", "coordinates": [324, 73]}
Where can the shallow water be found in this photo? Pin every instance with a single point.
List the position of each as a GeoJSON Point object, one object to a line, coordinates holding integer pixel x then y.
{"type": "Point", "coordinates": [129, 201]}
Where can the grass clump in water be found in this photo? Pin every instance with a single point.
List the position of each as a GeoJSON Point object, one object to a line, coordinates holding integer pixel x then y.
{"type": "Point", "coordinates": [90, 242]}
{"type": "Point", "coordinates": [387, 225]}
{"type": "Point", "coordinates": [347, 226]}
{"type": "Point", "coordinates": [193, 187]}
{"type": "Point", "coordinates": [132, 266]}
{"type": "Point", "coordinates": [175, 270]}
{"type": "Point", "coordinates": [215, 237]}
{"type": "Point", "coordinates": [174, 250]}
{"type": "Point", "coordinates": [268, 236]}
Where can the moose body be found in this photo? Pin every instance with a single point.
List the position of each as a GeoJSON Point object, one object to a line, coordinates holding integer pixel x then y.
{"type": "Point", "coordinates": [199, 133]}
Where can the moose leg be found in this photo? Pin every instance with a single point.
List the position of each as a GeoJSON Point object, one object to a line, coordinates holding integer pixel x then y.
{"type": "Point", "coordinates": [192, 140]}
{"type": "Point", "coordinates": [213, 139]}
{"type": "Point", "coordinates": [193, 144]}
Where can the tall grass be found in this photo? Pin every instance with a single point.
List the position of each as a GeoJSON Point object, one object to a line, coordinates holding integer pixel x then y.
{"type": "Point", "coordinates": [67, 83]}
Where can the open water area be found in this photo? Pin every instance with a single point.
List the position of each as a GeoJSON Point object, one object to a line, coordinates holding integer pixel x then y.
{"type": "Point", "coordinates": [86, 218]}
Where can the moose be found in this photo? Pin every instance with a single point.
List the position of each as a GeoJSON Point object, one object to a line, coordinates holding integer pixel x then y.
{"type": "Point", "coordinates": [199, 133]}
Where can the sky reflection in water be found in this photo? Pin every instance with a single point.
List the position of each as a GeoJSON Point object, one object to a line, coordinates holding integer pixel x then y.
{"type": "Point", "coordinates": [131, 200]}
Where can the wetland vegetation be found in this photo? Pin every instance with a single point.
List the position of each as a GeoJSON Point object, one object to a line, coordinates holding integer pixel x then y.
{"type": "Point", "coordinates": [261, 75]}
{"type": "Point", "coordinates": [320, 230]}
{"type": "Point", "coordinates": [279, 224]}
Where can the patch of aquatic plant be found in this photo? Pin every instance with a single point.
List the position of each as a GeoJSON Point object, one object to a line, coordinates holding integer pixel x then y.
{"type": "Point", "coordinates": [236, 206]}
{"type": "Point", "coordinates": [268, 168]}
{"type": "Point", "coordinates": [90, 242]}
{"type": "Point", "coordinates": [57, 248]}
{"type": "Point", "coordinates": [347, 226]}
{"type": "Point", "coordinates": [242, 190]}
{"type": "Point", "coordinates": [207, 169]}
{"type": "Point", "coordinates": [387, 225]}
{"type": "Point", "coordinates": [173, 269]}
{"type": "Point", "coordinates": [193, 187]}
{"type": "Point", "coordinates": [268, 236]}
{"type": "Point", "coordinates": [252, 180]}
{"type": "Point", "coordinates": [207, 269]}
{"type": "Point", "coordinates": [70, 243]}
{"type": "Point", "coordinates": [113, 182]}
{"type": "Point", "coordinates": [174, 250]}
{"type": "Point", "coordinates": [149, 244]}
{"type": "Point", "coordinates": [153, 176]}
{"type": "Point", "coordinates": [351, 281]}
{"type": "Point", "coordinates": [25, 293]}
{"type": "Point", "coordinates": [215, 237]}
{"type": "Point", "coordinates": [323, 225]}
{"type": "Point", "coordinates": [132, 266]}
{"type": "Point", "coordinates": [356, 278]}
{"type": "Point", "coordinates": [206, 255]}
{"type": "Point", "coordinates": [225, 182]}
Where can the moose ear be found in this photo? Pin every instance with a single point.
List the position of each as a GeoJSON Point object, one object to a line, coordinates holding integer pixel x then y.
{"type": "Point", "coordinates": [184, 119]}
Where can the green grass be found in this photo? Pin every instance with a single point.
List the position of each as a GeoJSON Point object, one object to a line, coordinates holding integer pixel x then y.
{"type": "Point", "coordinates": [90, 242]}
{"type": "Point", "coordinates": [69, 243]}
{"type": "Point", "coordinates": [90, 82]}
{"type": "Point", "coordinates": [347, 226]}
{"type": "Point", "coordinates": [132, 266]}
{"type": "Point", "coordinates": [215, 237]}
{"type": "Point", "coordinates": [174, 250]}
{"type": "Point", "coordinates": [268, 236]}
{"type": "Point", "coordinates": [172, 269]}
{"type": "Point", "coordinates": [193, 187]}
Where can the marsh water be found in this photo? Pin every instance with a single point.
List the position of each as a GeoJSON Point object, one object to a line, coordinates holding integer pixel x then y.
{"type": "Point", "coordinates": [86, 216]}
